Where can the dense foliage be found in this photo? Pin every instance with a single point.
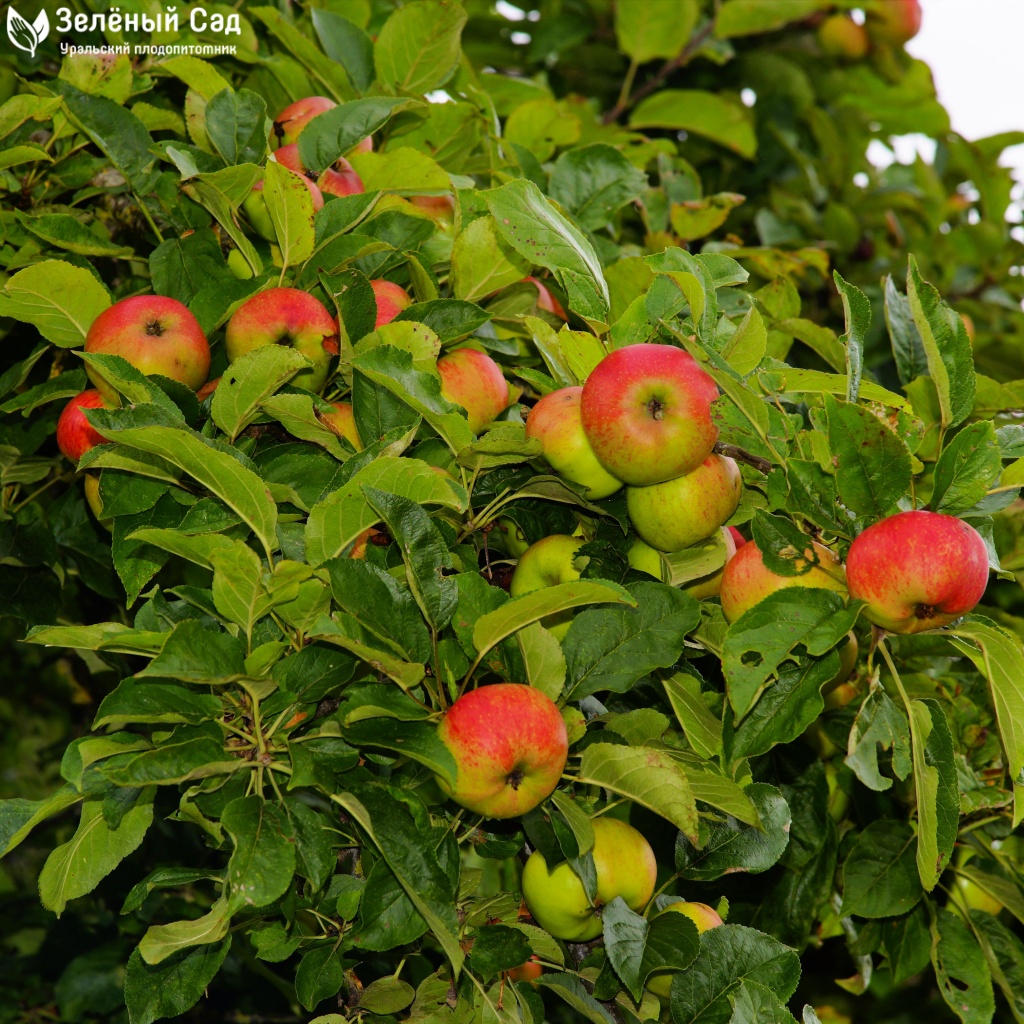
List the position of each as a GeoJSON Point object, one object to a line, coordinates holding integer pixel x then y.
{"type": "Point", "coordinates": [220, 739]}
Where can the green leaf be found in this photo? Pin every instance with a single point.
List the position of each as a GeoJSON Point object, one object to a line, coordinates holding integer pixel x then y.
{"type": "Point", "coordinates": [297, 413]}
{"type": "Point", "coordinates": [750, 17]}
{"type": "Point", "coordinates": [249, 381]}
{"type": "Point", "coordinates": [238, 590]}
{"type": "Point", "coordinates": [162, 941]}
{"type": "Point", "coordinates": [907, 347]}
{"type": "Point", "coordinates": [857, 309]}
{"type": "Point", "coordinates": [529, 223]}
{"type": "Point", "coordinates": [172, 987]}
{"type": "Point", "coordinates": [649, 30]}
{"type": "Point", "coordinates": [319, 976]}
{"type": "Point", "coordinates": [645, 775]}
{"type": "Point", "coordinates": [879, 723]}
{"type": "Point", "coordinates": [756, 1004]}
{"type": "Point", "coordinates": [733, 845]}
{"type": "Point", "coordinates": [332, 134]}
{"type": "Point", "coordinates": [704, 113]}
{"type": "Point", "coordinates": [880, 877]}
{"type": "Point", "coordinates": [872, 463]}
{"type": "Point", "coordinates": [58, 299]}
{"type": "Point", "coordinates": [1005, 955]}
{"type": "Point", "coordinates": [543, 659]}
{"type": "Point", "coordinates": [18, 816]}
{"type": "Point", "coordinates": [612, 648]}
{"type": "Point", "coordinates": [236, 123]}
{"type": "Point", "coordinates": [729, 955]}
{"type": "Point", "coordinates": [183, 267]}
{"type": "Point", "coordinates": [150, 703]}
{"type": "Point", "coordinates": [746, 348]}
{"type": "Point", "coordinates": [483, 262]}
{"type": "Point", "coordinates": [416, 740]}
{"type": "Point", "coordinates": [702, 729]}
{"type": "Point", "coordinates": [961, 970]}
{"type": "Point", "coordinates": [64, 231]}
{"type": "Point", "coordinates": [967, 467]}
{"type": "Point", "coordinates": [594, 181]}
{"type": "Point", "coordinates": [418, 48]}
{"type": "Point", "coordinates": [389, 995]}
{"type": "Point", "coordinates": [938, 798]}
{"type": "Point", "coordinates": [450, 319]}
{"type": "Point", "coordinates": [77, 867]}
{"type": "Point", "coordinates": [263, 861]}
{"type": "Point", "coordinates": [947, 348]}
{"type": "Point", "coordinates": [346, 44]}
{"type": "Point", "coordinates": [194, 654]}
{"type": "Point", "coordinates": [221, 192]}
{"type": "Point", "coordinates": [290, 205]}
{"type": "Point", "coordinates": [498, 948]}
{"type": "Point", "coordinates": [191, 752]}
{"type": "Point", "coordinates": [756, 648]}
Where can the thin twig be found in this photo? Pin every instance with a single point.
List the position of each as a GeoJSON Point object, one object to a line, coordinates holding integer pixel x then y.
{"type": "Point", "coordinates": [733, 452]}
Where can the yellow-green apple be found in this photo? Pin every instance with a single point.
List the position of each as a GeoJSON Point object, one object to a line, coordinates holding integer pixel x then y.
{"type": "Point", "coordinates": [555, 422]}
{"type": "Point", "coordinates": [338, 180]}
{"type": "Point", "coordinates": [509, 744]}
{"type": "Point", "coordinates": [674, 514]}
{"type": "Point", "coordinates": [75, 434]}
{"type": "Point", "coordinates": [894, 21]}
{"type": "Point", "coordinates": [748, 580]}
{"type": "Point", "coordinates": [391, 299]}
{"type": "Point", "coordinates": [343, 422]}
{"type": "Point", "coordinates": [917, 570]}
{"type": "Point", "coordinates": [474, 380]}
{"type": "Point", "coordinates": [647, 413]}
{"type": "Point", "coordinates": [838, 797]}
{"type": "Point", "coordinates": [848, 649]}
{"type": "Point", "coordinates": [705, 918]}
{"type": "Point", "coordinates": [547, 301]}
{"type": "Point", "coordinates": [289, 123]}
{"type": "Point", "coordinates": [840, 36]}
{"type": "Point", "coordinates": [439, 208]}
{"type": "Point", "coordinates": [238, 264]}
{"type": "Point", "coordinates": [95, 502]}
{"type": "Point", "coordinates": [255, 207]}
{"type": "Point", "coordinates": [646, 559]}
{"type": "Point", "coordinates": [156, 334]}
{"type": "Point", "coordinates": [546, 564]}
{"type": "Point", "coordinates": [625, 866]}
{"type": "Point", "coordinates": [971, 893]}
{"type": "Point", "coordinates": [512, 538]}
{"type": "Point", "coordinates": [286, 316]}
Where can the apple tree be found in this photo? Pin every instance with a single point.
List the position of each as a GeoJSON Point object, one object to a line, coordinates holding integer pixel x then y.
{"type": "Point", "coordinates": [369, 657]}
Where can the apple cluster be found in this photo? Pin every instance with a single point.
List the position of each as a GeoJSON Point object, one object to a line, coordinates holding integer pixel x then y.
{"type": "Point", "coordinates": [892, 23]}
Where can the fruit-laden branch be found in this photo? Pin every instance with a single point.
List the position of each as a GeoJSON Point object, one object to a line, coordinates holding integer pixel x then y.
{"type": "Point", "coordinates": [730, 450]}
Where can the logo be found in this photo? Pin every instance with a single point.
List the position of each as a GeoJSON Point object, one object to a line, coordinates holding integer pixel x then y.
{"type": "Point", "coordinates": [25, 36]}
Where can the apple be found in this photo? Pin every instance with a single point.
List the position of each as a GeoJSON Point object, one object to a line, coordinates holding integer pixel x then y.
{"type": "Point", "coordinates": [705, 918]}
{"type": "Point", "coordinates": [207, 389]}
{"type": "Point", "coordinates": [738, 539]}
{"type": "Point", "coordinates": [840, 36]}
{"type": "Point", "coordinates": [439, 208]}
{"type": "Point", "coordinates": [255, 207]}
{"type": "Point", "coordinates": [643, 557]}
{"type": "Point", "coordinates": [646, 410]}
{"type": "Point", "coordinates": [289, 123]}
{"type": "Point", "coordinates": [673, 515]}
{"type": "Point", "coordinates": [286, 316]}
{"type": "Point", "coordinates": [546, 564]}
{"type": "Point", "coordinates": [530, 971]}
{"type": "Point", "coordinates": [338, 180]}
{"type": "Point", "coordinates": [371, 535]}
{"type": "Point", "coordinates": [75, 434]}
{"type": "Point", "coordinates": [917, 571]}
{"type": "Point", "coordinates": [838, 797]}
{"type": "Point", "coordinates": [848, 653]}
{"type": "Point", "coordinates": [547, 301]}
{"type": "Point", "coordinates": [894, 21]}
{"type": "Point", "coordinates": [971, 893]}
{"type": "Point", "coordinates": [156, 334]}
{"type": "Point", "coordinates": [555, 422]}
{"type": "Point", "coordinates": [510, 746]}
{"type": "Point", "coordinates": [391, 300]}
{"type": "Point", "coordinates": [343, 422]}
{"type": "Point", "coordinates": [238, 264]}
{"type": "Point", "coordinates": [511, 538]}
{"type": "Point", "coordinates": [625, 866]}
{"type": "Point", "coordinates": [748, 580]}
{"type": "Point", "coordinates": [362, 146]}
{"type": "Point", "coordinates": [474, 380]}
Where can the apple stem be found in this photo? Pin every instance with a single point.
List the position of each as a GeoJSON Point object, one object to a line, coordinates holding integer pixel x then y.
{"type": "Point", "coordinates": [734, 452]}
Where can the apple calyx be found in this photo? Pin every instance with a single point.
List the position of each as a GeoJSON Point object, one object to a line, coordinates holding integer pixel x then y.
{"type": "Point", "coordinates": [515, 778]}
{"type": "Point", "coordinates": [924, 611]}
{"type": "Point", "coordinates": [155, 329]}
{"type": "Point", "coordinates": [656, 409]}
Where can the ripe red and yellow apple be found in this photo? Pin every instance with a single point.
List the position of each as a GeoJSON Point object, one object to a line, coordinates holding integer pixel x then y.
{"type": "Point", "coordinates": [439, 208]}
{"type": "Point", "coordinates": [156, 334]}
{"type": "Point", "coordinates": [748, 580]}
{"type": "Point", "coordinates": [547, 301]}
{"type": "Point", "coordinates": [705, 918]}
{"type": "Point", "coordinates": [286, 316]}
{"type": "Point", "coordinates": [646, 410]}
{"type": "Point", "coordinates": [474, 380]}
{"type": "Point", "coordinates": [338, 180]}
{"type": "Point", "coordinates": [917, 570]}
{"type": "Point", "coordinates": [674, 514]}
{"type": "Point", "coordinates": [738, 539]}
{"type": "Point", "coordinates": [625, 866]}
{"type": "Point", "coordinates": [343, 422]}
{"type": "Point", "coordinates": [75, 434]}
{"type": "Point", "coordinates": [840, 36]}
{"type": "Point", "coordinates": [555, 422]}
{"type": "Point", "coordinates": [289, 123]}
{"type": "Point", "coordinates": [547, 563]}
{"type": "Point", "coordinates": [509, 744]}
{"type": "Point", "coordinates": [391, 299]}
{"type": "Point", "coordinates": [894, 21]}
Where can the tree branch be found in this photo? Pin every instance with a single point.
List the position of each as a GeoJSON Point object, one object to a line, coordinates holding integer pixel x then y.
{"type": "Point", "coordinates": [733, 452]}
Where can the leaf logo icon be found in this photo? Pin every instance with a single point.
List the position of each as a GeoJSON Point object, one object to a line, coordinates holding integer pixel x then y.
{"type": "Point", "coordinates": [25, 36]}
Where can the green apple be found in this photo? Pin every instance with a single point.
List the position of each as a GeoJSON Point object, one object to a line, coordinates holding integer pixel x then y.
{"type": "Point", "coordinates": [547, 563]}
{"type": "Point", "coordinates": [625, 866]}
{"type": "Point", "coordinates": [511, 538]}
{"type": "Point", "coordinates": [673, 515]}
{"type": "Point", "coordinates": [705, 918]}
{"type": "Point", "coordinates": [555, 422]}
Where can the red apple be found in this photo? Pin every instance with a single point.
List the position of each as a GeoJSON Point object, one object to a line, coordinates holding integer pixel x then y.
{"type": "Point", "coordinates": [441, 208]}
{"type": "Point", "coordinates": [529, 972]}
{"type": "Point", "coordinates": [362, 146]}
{"type": "Point", "coordinates": [343, 422]}
{"type": "Point", "coordinates": [547, 301]}
{"type": "Point", "coordinates": [474, 380]}
{"type": "Point", "coordinates": [674, 514]}
{"type": "Point", "coordinates": [339, 180]}
{"type": "Point", "coordinates": [290, 122]}
{"type": "Point", "coordinates": [895, 21]}
{"type": "Point", "coordinates": [75, 434]}
{"type": "Point", "coordinates": [156, 334]}
{"type": "Point", "coordinates": [917, 571]}
{"type": "Point", "coordinates": [747, 580]}
{"type": "Point", "coordinates": [207, 389]}
{"type": "Point", "coordinates": [840, 36]}
{"type": "Point", "coordinates": [555, 422]}
{"type": "Point", "coordinates": [510, 746]}
{"type": "Point", "coordinates": [286, 316]}
{"type": "Point", "coordinates": [391, 300]}
{"type": "Point", "coordinates": [647, 413]}
{"type": "Point", "coordinates": [738, 539]}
